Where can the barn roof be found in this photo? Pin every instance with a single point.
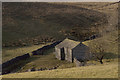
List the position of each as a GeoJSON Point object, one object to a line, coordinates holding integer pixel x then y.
{"type": "Point", "coordinates": [68, 43]}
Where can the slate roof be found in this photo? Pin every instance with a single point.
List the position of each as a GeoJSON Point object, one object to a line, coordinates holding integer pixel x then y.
{"type": "Point", "coordinates": [68, 44]}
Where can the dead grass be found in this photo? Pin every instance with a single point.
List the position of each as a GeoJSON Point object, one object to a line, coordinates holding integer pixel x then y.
{"type": "Point", "coordinates": [9, 53]}
{"type": "Point", "coordinates": [109, 70]}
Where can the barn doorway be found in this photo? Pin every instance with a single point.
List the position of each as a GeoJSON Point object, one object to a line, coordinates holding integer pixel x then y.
{"type": "Point", "coordinates": [72, 58]}
{"type": "Point", "coordinates": [62, 54]}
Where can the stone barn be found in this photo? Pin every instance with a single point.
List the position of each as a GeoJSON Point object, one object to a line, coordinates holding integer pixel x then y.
{"type": "Point", "coordinates": [69, 49]}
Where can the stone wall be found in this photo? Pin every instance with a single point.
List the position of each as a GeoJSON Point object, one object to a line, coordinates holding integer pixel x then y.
{"type": "Point", "coordinates": [13, 62]}
{"type": "Point", "coordinates": [44, 48]}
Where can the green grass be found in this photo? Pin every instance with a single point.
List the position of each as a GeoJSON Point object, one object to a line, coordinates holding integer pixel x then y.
{"type": "Point", "coordinates": [9, 53]}
{"type": "Point", "coordinates": [47, 61]}
{"type": "Point", "coordinates": [108, 70]}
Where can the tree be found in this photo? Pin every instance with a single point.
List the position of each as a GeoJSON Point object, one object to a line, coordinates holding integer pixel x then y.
{"type": "Point", "coordinates": [98, 48]}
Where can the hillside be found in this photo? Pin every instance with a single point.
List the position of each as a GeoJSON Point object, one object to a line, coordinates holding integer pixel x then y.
{"type": "Point", "coordinates": [68, 70]}
{"type": "Point", "coordinates": [110, 39]}
{"type": "Point", "coordinates": [95, 71]}
{"type": "Point", "coordinates": [45, 22]}
{"type": "Point", "coordinates": [10, 53]}
{"type": "Point", "coordinates": [26, 24]}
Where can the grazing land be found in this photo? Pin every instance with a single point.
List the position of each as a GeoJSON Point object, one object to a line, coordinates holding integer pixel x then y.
{"type": "Point", "coordinates": [47, 22]}
{"type": "Point", "coordinates": [45, 62]}
{"type": "Point", "coordinates": [109, 70]}
{"type": "Point", "coordinates": [9, 53]}
{"type": "Point", "coordinates": [93, 70]}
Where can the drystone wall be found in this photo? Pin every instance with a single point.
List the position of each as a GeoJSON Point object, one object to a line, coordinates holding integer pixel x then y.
{"type": "Point", "coordinates": [10, 65]}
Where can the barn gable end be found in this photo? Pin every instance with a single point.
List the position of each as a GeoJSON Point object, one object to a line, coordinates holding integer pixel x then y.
{"type": "Point", "coordinates": [69, 49]}
{"type": "Point", "coordinates": [81, 52]}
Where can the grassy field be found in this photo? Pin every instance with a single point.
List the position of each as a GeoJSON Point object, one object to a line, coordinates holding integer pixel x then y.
{"type": "Point", "coordinates": [59, 18]}
{"type": "Point", "coordinates": [94, 70]}
{"type": "Point", "coordinates": [109, 44]}
{"type": "Point", "coordinates": [111, 39]}
{"type": "Point", "coordinates": [46, 61]}
{"type": "Point", "coordinates": [108, 70]}
{"type": "Point", "coordinates": [9, 53]}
